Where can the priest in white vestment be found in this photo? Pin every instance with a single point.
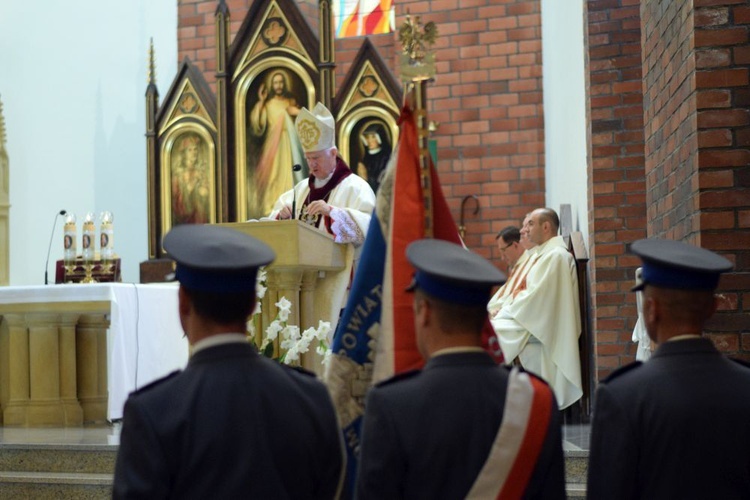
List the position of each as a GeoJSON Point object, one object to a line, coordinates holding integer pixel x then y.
{"type": "Point", "coordinates": [334, 200]}
{"type": "Point", "coordinates": [540, 323]}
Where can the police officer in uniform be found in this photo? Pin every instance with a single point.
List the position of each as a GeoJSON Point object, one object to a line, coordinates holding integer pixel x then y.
{"type": "Point", "coordinates": [233, 424]}
{"type": "Point", "coordinates": [437, 433]}
{"type": "Point", "coordinates": [678, 425]}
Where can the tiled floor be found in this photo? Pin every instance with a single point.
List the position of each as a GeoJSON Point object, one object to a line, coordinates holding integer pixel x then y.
{"type": "Point", "coordinates": [575, 437]}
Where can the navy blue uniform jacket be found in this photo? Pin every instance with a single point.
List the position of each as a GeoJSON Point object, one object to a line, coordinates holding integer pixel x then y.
{"type": "Point", "coordinates": [677, 426]}
{"type": "Point", "coordinates": [234, 424]}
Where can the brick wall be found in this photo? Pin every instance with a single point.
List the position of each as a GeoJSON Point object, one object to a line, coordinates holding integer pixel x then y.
{"type": "Point", "coordinates": [617, 210]}
{"type": "Point", "coordinates": [487, 98]}
{"type": "Point", "coordinates": [722, 104]}
{"type": "Point", "coordinates": [696, 101]}
{"type": "Point", "coordinates": [670, 115]}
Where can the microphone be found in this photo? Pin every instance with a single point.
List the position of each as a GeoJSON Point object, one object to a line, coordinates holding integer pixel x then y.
{"type": "Point", "coordinates": [54, 225]}
{"type": "Point", "coordinates": [295, 168]}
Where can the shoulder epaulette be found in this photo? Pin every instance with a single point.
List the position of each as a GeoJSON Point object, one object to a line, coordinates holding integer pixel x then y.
{"type": "Point", "coordinates": [157, 382]}
{"type": "Point", "coordinates": [622, 370]}
{"type": "Point", "coordinates": [398, 378]}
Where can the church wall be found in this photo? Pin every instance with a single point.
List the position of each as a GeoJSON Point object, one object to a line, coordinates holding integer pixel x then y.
{"type": "Point", "coordinates": [487, 97]}
{"type": "Point", "coordinates": [670, 117]}
{"type": "Point", "coordinates": [697, 153]}
{"type": "Point", "coordinates": [617, 208]}
{"type": "Point", "coordinates": [72, 86]}
{"type": "Point", "coordinates": [723, 106]}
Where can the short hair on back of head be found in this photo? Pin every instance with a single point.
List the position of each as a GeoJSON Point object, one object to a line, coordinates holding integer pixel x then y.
{"type": "Point", "coordinates": [684, 306]}
{"type": "Point", "coordinates": [549, 215]}
{"type": "Point", "coordinates": [509, 234]}
{"type": "Point", "coordinates": [457, 317]}
{"type": "Point", "coordinates": [223, 308]}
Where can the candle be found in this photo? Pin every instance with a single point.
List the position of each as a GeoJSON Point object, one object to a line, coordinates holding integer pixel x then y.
{"type": "Point", "coordinates": [89, 233]}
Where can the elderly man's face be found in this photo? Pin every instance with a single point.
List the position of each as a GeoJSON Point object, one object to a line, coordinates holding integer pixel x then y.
{"type": "Point", "coordinates": [322, 163]}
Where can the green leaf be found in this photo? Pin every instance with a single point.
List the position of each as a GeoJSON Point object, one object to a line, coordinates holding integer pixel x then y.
{"type": "Point", "coordinates": [268, 351]}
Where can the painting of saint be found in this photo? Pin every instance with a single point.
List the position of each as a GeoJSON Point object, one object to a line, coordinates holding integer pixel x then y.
{"type": "Point", "coordinates": [274, 101]}
{"type": "Point", "coordinates": [190, 181]}
{"type": "Point", "coordinates": [371, 150]}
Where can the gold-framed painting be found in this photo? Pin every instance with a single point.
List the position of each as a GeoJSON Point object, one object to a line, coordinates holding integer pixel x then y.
{"type": "Point", "coordinates": [268, 98]}
{"type": "Point", "coordinates": [366, 140]}
{"type": "Point", "coordinates": [188, 174]}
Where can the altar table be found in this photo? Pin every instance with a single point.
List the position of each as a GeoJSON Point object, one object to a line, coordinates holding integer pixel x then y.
{"type": "Point", "coordinates": [71, 354]}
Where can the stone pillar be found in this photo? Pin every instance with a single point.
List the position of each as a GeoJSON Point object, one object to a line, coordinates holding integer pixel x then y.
{"type": "Point", "coordinates": [91, 367]}
{"type": "Point", "coordinates": [288, 286]}
{"type": "Point", "coordinates": [45, 407]}
{"type": "Point", "coordinates": [14, 369]}
{"type": "Point", "coordinates": [311, 360]}
{"type": "Point", "coordinates": [68, 384]}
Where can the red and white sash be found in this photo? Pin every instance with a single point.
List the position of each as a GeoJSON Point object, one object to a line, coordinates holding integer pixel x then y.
{"type": "Point", "coordinates": [519, 440]}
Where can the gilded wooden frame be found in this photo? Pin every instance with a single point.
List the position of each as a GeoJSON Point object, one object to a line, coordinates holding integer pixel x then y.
{"type": "Point", "coordinates": [170, 157]}
{"type": "Point", "coordinates": [245, 84]}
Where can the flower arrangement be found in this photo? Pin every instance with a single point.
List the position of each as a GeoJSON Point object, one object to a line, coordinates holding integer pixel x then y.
{"type": "Point", "coordinates": [292, 342]}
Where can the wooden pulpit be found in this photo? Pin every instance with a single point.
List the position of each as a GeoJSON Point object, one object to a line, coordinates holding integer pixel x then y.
{"type": "Point", "coordinates": [305, 259]}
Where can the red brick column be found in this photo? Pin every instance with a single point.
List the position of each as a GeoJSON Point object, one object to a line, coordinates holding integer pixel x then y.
{"type": "Point", "coordinates": [617, 210]}
{"type": "Point", "coordinates": [696, 84]}
{"type": "Point", "coordinates": [722, 103]}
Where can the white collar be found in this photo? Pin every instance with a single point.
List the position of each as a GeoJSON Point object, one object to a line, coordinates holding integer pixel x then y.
{"type": "Point", "coordinates": [456, 350]}
{"type": "Point", "coordinates": [219, 339]}
{"type": "Point", "coordinates": [320, 183]}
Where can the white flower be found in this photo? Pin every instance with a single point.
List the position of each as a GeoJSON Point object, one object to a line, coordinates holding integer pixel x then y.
{"type": "Point", "coordinates": [284, 308]}
{"type": "Point", "coordinates": [291, 355]}
{"type": "Point", "coordinates": [324, 328]}
{"type": "Point", "coordinates": [309, 335]}
{"type": "Point", "coordinates": [250, 327]}
{"type": "Point", "coordinates": [273, 330]}
{"type": "Point", "coordinates": [327, 357]}
{"type": "Point", "coordinates": [290, 334]}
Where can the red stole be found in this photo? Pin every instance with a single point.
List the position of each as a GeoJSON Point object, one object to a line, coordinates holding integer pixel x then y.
{"type": "Point", "coordinates": [340, 173]}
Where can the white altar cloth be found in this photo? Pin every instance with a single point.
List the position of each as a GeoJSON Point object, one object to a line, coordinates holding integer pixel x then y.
{"type": "Point", "coordinates": [144, 341]}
